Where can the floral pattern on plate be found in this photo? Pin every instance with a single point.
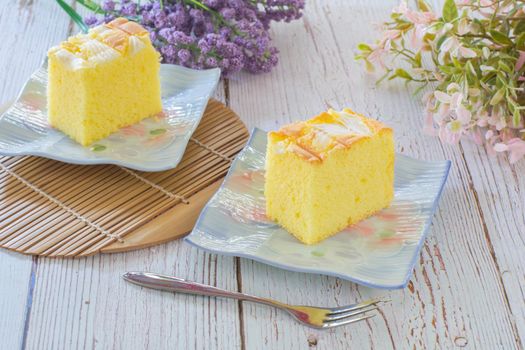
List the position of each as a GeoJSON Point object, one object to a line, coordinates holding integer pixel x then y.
{"type": "Point", "coordinates": [155, 144]}
{"type": "Point", "coordinates": [377, 252]}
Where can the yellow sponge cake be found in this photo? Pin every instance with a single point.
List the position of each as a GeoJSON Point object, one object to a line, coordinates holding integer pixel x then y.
{"type": "Point", "coordinates": [327, 173]}
{"type": "Point", "coordinates": [103, 80]}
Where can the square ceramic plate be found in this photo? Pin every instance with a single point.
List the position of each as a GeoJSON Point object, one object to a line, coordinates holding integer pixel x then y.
{"type": "Point", "coordinates": [154, 144]}
{"type": "Point", "coordinates": [379, 252]}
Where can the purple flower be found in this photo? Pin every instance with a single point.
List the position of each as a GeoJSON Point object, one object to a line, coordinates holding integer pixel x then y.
{"type": "Point", "coordinates": [129, 9]}
{"type": "Point", "coordinates": [232, 36]}
{"type": "Point", "coordinates": [228, 13]}
{"type": "Point", "coordinates": [108, 6]}
{"type": "Point", "coordinates": [184, 55]}
{"type": "Point", "coordinates": [212, 62]}
{"type": "Point", "coordinates": [91, 20]}
{"type": "Point", "coordinates": [214, 4]}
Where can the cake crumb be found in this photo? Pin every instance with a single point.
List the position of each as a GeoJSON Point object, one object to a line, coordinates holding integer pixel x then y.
{"type": "Point", "coordinates": [312, 341]}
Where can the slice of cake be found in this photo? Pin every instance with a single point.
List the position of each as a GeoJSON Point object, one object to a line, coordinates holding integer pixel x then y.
{"type": "Point", "coordinates": [327, 173]}
{"type": "Point", "coordinates": [103, 80]}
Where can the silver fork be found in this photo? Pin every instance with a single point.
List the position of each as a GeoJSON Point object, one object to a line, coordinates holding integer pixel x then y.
{"type": "Point", "coordinates": [316, 317]}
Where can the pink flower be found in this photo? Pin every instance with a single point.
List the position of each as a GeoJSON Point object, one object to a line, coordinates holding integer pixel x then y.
{"type": "Point", "coordinates": [377, 56]}
{"type": "Point", "coordinates": [429, 128]}
{"type": "Point", "coordinates": [516, 148]}
{"type": "Point", "coordinates": [466, 52]}
{"type": "Point", "coordinates": [454, 47]}
{"type": "Point", "coordinates": [451, 132]}
{"type": "Point", "coordinates": [402, 8]}
{"type": "Point", "coordinates": [463, 27]}
{"type": "Point", "coordinates": [417, 17]}
{"type": "Point", "coordinates": [463, 114]}
{"type": "Point", "coordinates": [500, 147]}
{"type": "Point", "coordinates": [390, 34]}
{"type": "Point", "coordinates": [497, 121]}
{"type": "Point", "coordinates": [482, 119]}
{"type": "Point", "coordinates": [416, 36]}
{"type": "Point", "coordinates": [475, 133]}
{"type": "Point", "coordinates": [442, 97]}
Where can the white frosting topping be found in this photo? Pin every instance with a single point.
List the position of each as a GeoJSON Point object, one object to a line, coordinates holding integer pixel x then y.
{"type": "Point", "coordinates": [135, 44]}
{"type": "Point", "coordinates": [315, 138]}
{"type": "Point", "coordinates": [352, 124]}
{"type": "Point", "coordinates": [102, 44]}
{"type": "Point", "coordinates": [98, 52]}
{"type": "Point", "coordinates": [69, 59]}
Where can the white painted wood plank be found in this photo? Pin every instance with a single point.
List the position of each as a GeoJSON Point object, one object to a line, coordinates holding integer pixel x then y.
{"type": "Point", "coordinates": [500, 194]}
{"type": "Point", "coordinates": [435, 309]}
{"type": "Point", "coordinates": [28, 27]}
{"type": "Point", "coordinates": [456, 296]}
{"type": "Point", "coordinates": [15, 274]}
{"type": "Point", "coordinates": [84, 303]}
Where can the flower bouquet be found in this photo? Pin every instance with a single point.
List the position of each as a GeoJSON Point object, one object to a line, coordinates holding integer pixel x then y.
{"type": "Point", "coordinates": [473, 56]}
{"type": "Point", "coordinates": [229, 34]}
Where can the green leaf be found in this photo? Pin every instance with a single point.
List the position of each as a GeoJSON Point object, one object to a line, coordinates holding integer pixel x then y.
{"type": "Point", "coordinates": [440, 41]}
{"type": "Point", "coordinates": [504, 67]}
{"type": "Point", "coordinates": [519, 27]}
{"type": "Point", "coordinates": [369, 66]}
{"type": "Point", "coordinates": [500, 38]}
{"type": "Point", "coordinates": [422, 5]}
{"type": "Point", "coordinates": [405, 26]}
{"type": "Point", "coordinates": [516, 118]}
{"type": "Point", "coordinates": [471, 72]}
{"type": "Point", "coordinates": [448, 70]}
{"type": "Point", "coordinates": [364, 47]}
{"type": "Point", "coordinates": [498, 96]}
{"type": "Point", "coordinates": [501, 79]}
{"type": "Point", "coordinates": [457, 63]}
{"type": "Point", "coordinates": [401, 73]}
{"type": "Point", "coordinates": [417, 59]}
{"type": "Point", "coordinates": [74, 15]}
{"type": "Point", "coordinates": [450, 11]}
{"type": "Point", "coordinates": [92, 6]}
{"type": "Point", "coordinates": [520, 41]}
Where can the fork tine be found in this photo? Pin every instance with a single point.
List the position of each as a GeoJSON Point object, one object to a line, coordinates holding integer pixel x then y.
{"type": "Point", "coordinates": [340, 316]}
{"type": "Point", "coordinates": [353, 307]}
{"type": "Point", "coordinates": [346, 321]}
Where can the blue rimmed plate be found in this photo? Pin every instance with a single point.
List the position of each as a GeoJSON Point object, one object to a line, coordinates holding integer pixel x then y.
{"type": "Point", "coordinates": [155, 144]}
{"type": "Point", "coordinates": [379, 252]}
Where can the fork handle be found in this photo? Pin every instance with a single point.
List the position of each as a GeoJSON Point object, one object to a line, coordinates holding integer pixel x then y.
{"type": "Point", "coordinates": [179, 285]}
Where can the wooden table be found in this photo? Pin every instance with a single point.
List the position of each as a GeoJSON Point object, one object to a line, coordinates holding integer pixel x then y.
{"type": "Point", "coordinates": [468, 287]}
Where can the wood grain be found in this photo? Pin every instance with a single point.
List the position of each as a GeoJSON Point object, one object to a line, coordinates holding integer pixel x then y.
{"type": "Point", "coordinates": [23, 46]}
{"type": "Point", "coordinates": [456, 296]}
{"type": "Point", "coordinates": [62, 210]}
{"type": "Point", "coordinates": [499, 191]}
{"type": "Point", "coordinates": [76, 303]}
{"type": "Point", "coordinates": [468, 286]}
{"type": "Point", "coordinates": [162, 229]}
{"type": "Point", "coordinates": [84, 303]}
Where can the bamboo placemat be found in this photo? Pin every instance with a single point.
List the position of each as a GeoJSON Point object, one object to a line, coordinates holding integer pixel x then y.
{"type": "Point", "coordinates": [62, 210]}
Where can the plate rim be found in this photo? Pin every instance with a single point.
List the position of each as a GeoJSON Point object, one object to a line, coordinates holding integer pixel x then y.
{"type": "Point", "coordinates": [365, 283]}
{"type": "Point", "coordinates": [214, 73]}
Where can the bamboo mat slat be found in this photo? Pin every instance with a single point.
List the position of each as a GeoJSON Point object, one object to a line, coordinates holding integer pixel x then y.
{"type": "Point", "coordinates": [55, 209]}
